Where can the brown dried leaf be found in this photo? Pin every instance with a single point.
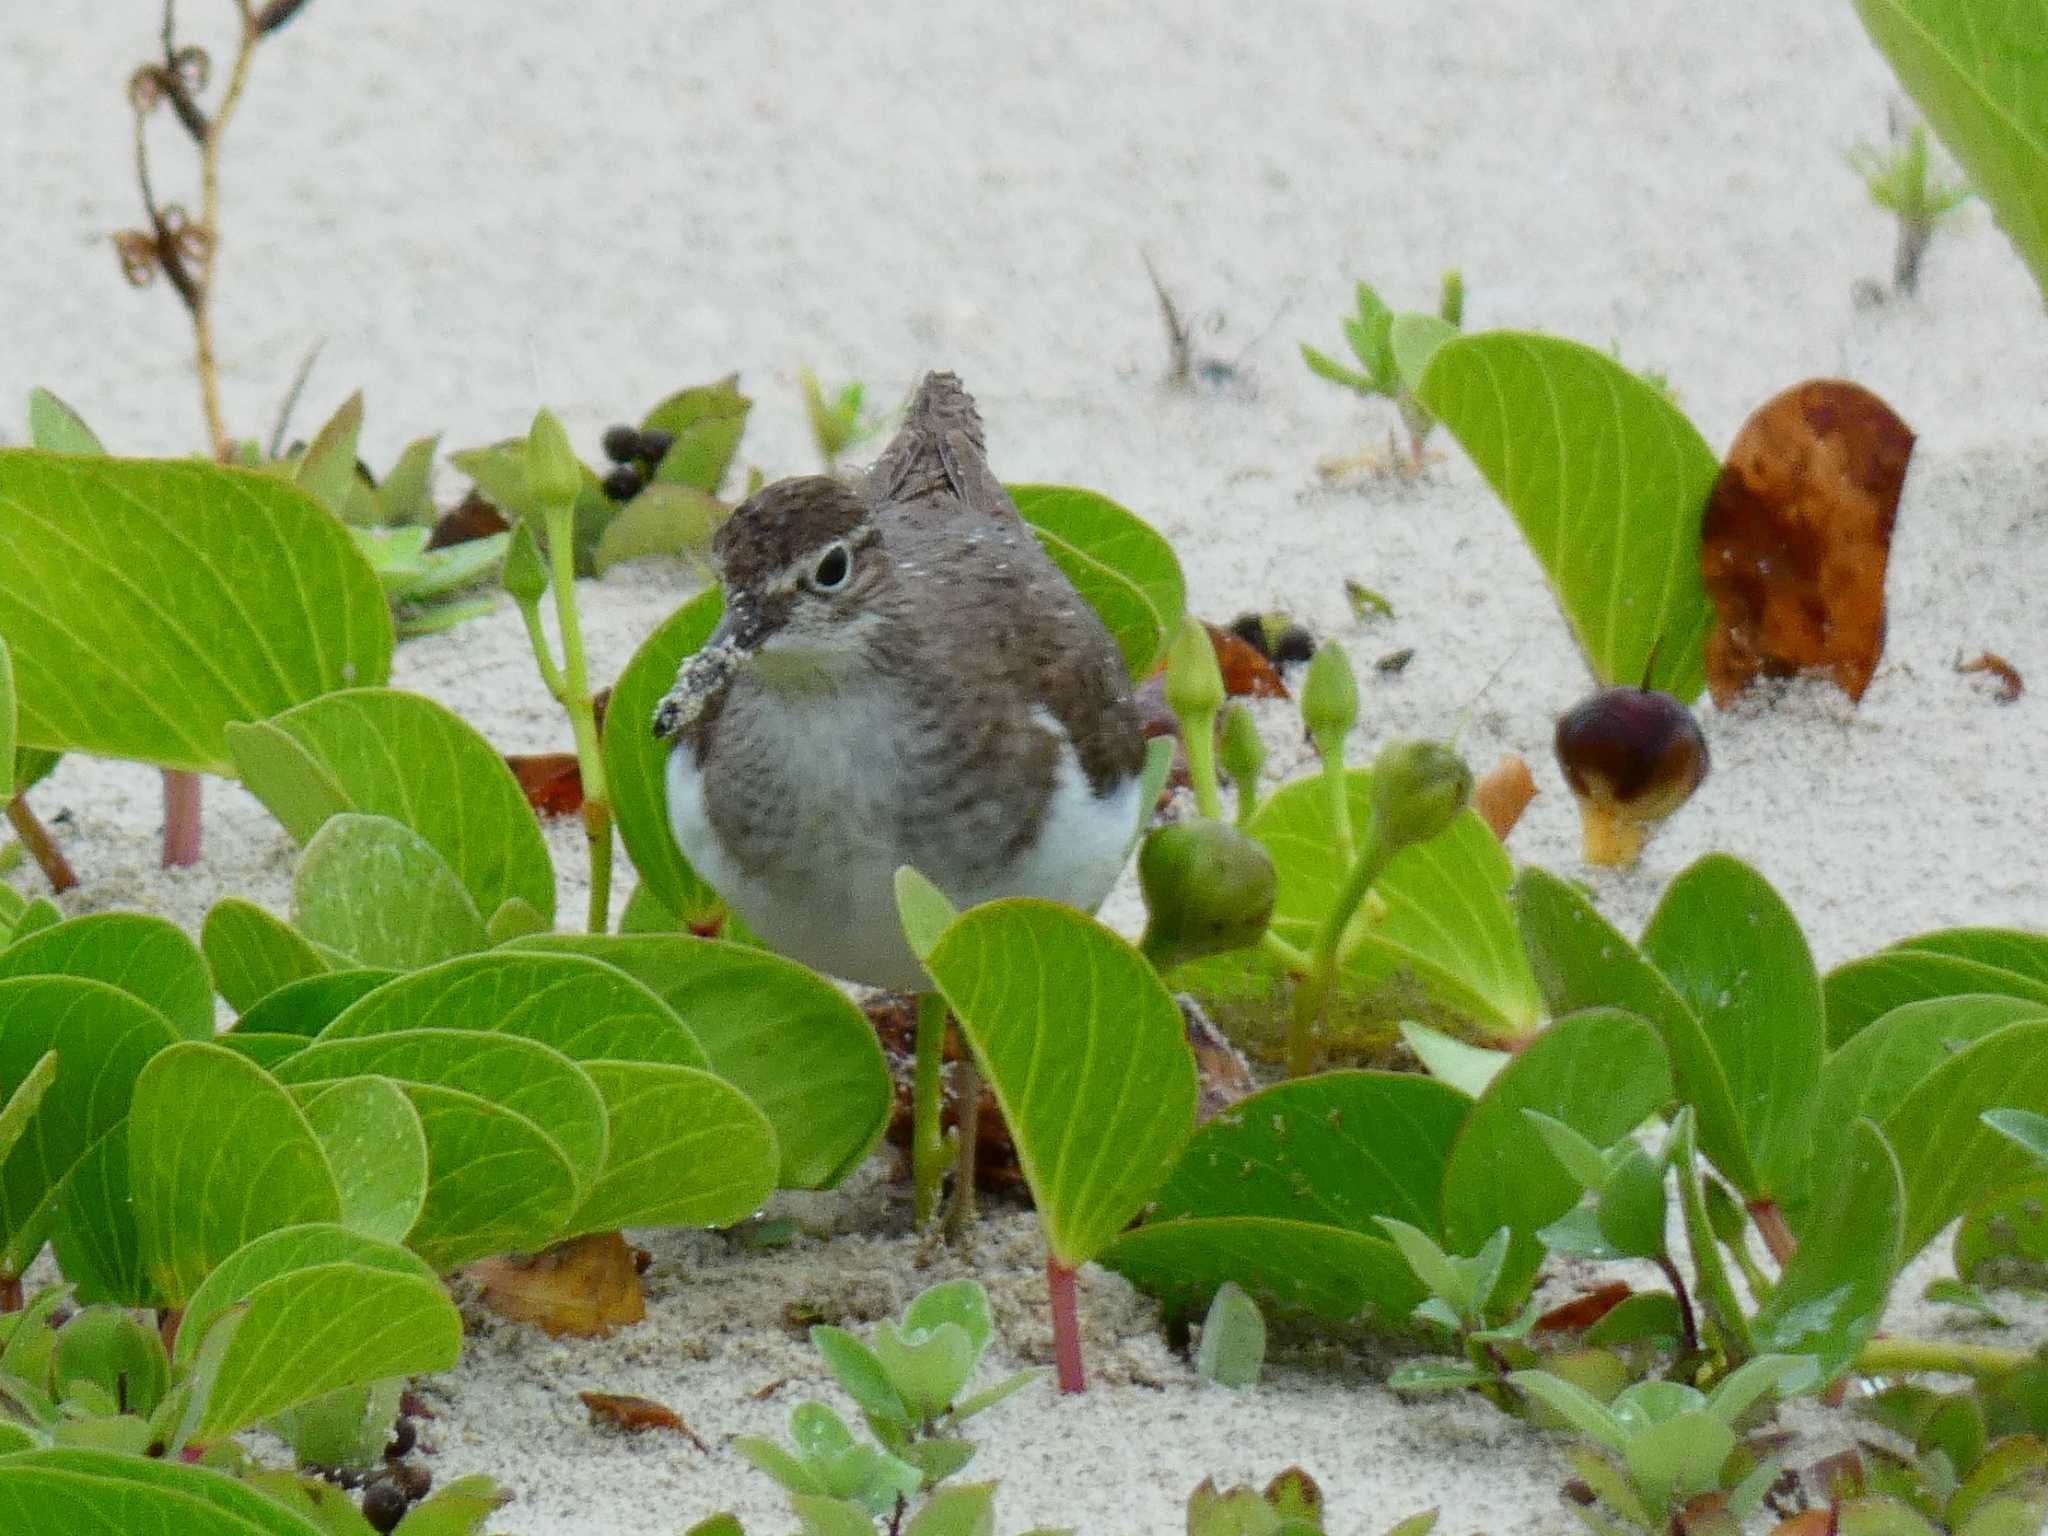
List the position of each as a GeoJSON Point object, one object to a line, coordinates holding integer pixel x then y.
{"type": "Point", "coordinates": [1808, 1522]}
{"type": "Point", "coordinates": [2010, 684]}
{"type": "Point", "coordinates": [1797, 535]}
{"type": "Point", "coordinates": [636, 1415]}
{"type": "Point", "coordinates": [1585, 1309]}
{"type": "Point", "coordinates": [1246, 673]}
{"type": "Point", "coordinates": [585, 1287]}
{"type": "Point", "coordinates": [470, 518]}
{"type": "Point", "coordinates": [1503, 793]}
{"type": "Point", "coordinates": [553, 781]}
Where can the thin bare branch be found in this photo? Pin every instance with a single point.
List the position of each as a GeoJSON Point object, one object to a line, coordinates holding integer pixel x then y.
{"type": "Point", "coordinates": [291, 398]}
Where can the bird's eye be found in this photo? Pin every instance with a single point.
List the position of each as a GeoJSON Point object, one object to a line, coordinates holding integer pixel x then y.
{"type": "Point", "coordinates": [834, 568]}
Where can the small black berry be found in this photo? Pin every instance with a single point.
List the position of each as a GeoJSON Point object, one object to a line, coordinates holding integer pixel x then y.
{"type": "Point", "coordinates": [655, 444]}
{"type": "Point", "coordinates": [1251, 629]}
{"type": "Point", "coordinates": [621, 444]}
{"type": "Point", "coordinates": [383, 1505]}
{"type": "Point", "coordinates": [412, 1479]}
{"type": "Point", "coordinates": [403, 1438]}
{"type": "Point", "coordinates": [624, 482]}
{"type": "Point", "coordinates": [1294, 643]}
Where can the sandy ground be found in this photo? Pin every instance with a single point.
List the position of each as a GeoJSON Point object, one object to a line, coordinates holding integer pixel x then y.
{"type": "Point", "coordinates": [605, 201]}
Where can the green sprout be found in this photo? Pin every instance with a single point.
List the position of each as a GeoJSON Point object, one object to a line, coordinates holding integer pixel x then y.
{"type": "Point", "coordinates": [1902, 180]}
{"type": "Point", "coordinates": [1391, 351]}
{"type": "Point", "coordinates": [837, 423]}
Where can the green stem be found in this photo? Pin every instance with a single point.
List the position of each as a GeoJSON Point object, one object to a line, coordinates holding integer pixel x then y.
{"type": "Point", "coordinates": [1885, 1357]}
{"type": "Point", "coordinates": [1295, 960]}
{"type": "Point", "coordinates": [1710, 1276]}
{"type": "Point", "coordinates": [967, 1121]}
{"type": "Point", "coordinates": [927, 1142]}
{"type": "Point", "coordinates": [1198, 737]}
{"type": "Point", "coordinates": [1313, 990]}
{"type": "Point", "coordinates": [1752, 1272]}
{"type": "Point", "coordinates": [543, 654]}
{"type": "Point", "coordinates": [575, 696]}
{"type": "Point", "coordinates": [1337, 786]}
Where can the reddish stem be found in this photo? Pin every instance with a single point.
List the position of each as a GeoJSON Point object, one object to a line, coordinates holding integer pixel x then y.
{"type": "Point", "coordinates": [10, 1293]}
{"type": "Point", "coordinates": [1066, 1326]}
{"type": "Point", "coordinates": [181, 819]}
{"type": "Point", "coordinates": [1770, 1222]}
{"type": "Point", "coordinates": [35, 837]}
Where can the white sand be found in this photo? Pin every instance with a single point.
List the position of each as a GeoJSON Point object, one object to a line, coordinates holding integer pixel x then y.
{"type": "Point", "coordinates": [601, 202]}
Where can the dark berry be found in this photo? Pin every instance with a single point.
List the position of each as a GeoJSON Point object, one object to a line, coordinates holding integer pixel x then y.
{"type": "Point", "coordinates": [1293, 643]}
{"type": "Point", "coordinates": [624, 482]}
{"type": "Point", "coordinates": [403, 1438]}
{"type": "Point", "coordinates": [655, 444]}
{"type": "Point", "coordinates": [621, 444]}
{"type": "Point", "coordinates": [1631, 756]}
{"type": "Point", "coordinates": [412, 1479]}
{"type": "Point", "coordinates": [383, 1505]}
{"type": "Point", "coordinates": [1251, 629]}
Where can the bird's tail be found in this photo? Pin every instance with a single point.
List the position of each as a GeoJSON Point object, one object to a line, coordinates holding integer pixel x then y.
{"type": "Point", "coordinates": [941, 431]}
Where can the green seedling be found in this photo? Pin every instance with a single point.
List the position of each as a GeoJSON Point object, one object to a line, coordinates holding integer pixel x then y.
{"type": "Point", "coordinates": [1901, 180]}
{"type": "Point", "coordinates": [1232, 1352]}
{"type": "Point", "coordinates": [1290, 1505]}
{"type": "Point", "coordinates": [1974, 1465]}
{"type": "Point", "coordinates": [907, 1380]}
{"type": "Point", "coordinates": [1391, 351]}
{"type": "Point", "coordinates": [1660, 1445]}
{"type": "Point", "coordinates": [838, 423]}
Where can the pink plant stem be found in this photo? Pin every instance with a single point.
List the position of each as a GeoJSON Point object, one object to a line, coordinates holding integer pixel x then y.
{"type": "Point", "coordinates": [181, 819]}
{"type": "Point", "coordinates": [1770, 1223]}
{"type": "Point", "coordinates": [35, 837]}
{"type": "Point", "coordinates": [1066, 1326]}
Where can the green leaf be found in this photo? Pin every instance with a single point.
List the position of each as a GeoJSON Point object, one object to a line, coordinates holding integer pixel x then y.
{"type": "Point", "coordinates": [1864, 991]}
{"type": "Point", "coordinates": [1632, 1208]}
{"type": "Point", "coordinates": [1121, 566]}
{"type": "Point", "coordinates": [35, 917]}
{"type": "Point", "coordinates": [636, 764]}
{"type": "Point", "coordinates": [1445, 947]}
{"type": "Point", "coordinates": [309, 1005]}
{"type": "Point", "coordinates": [114, 1350]}
{"type": "Point", "coordinates": [860, 1375]}
{"type": "Point", "coordinates": [376, 1150]}
{"type": "Point", "coordinates": [8, 724]}
{"type": "Point", "coordinates": [1413, 340]}
{"type": "Point", "coordinates": [514, 919]}
{"type": "Point", "coordinates": [1467, 1068]}
{"type": "Point", "coordinates": [1602, 1072]}
{"type": "Point", "coordinates": [1086, 1053]}
{"type": "Point", "coordinates": [516, 1132]}
{"type": "Point", "coordinates": [1291, 1268]}
{"type": "Point", "coordinates": [144, 956]}
{"type": "Point", "coordinates": [1576, 1406]}
{"type": "Point", "coordinates": [2005, 1238]}
{"type": "Point", "coordinates": [499, 471]}
{"type": "Point", "coordinates": [1948, 1157]}
{"type": "Point", "coordinates": [1581, 961]}
{"type": "Point", "coordinates": [102, 1037]}
{"type": "Point", "coordinates": [251, 953]}
{"type": "Point", "coordinates": [379, 893]}
{"type": "Point", "coordinates": [56, 428]}
{"type": "Point", "coordinates": [1976, 68]}
{"type": "Point", "coordinates": [1733, 952]}
{"type": "Point", "coordinates": [400, 755]}
{"type": "Point", "coordinates": [406, 496]}
{"type": "Point", "coordinates": [1647, 1317]}
{"type": "Point", "coordinates": [963, 1509]}
{"type": "Point", "coordinates": [23, 1099]}
{"type": "Point", "coordinates": [1607, 480]}
{"type": "Point", "coordinates": [1340, 1148]}
{"type": "Point", "coordinates": [924, 910]}
{"type": "Point", "coordinates": [1576, 1155]}
{"type": "Point", "coordinates": [1327, 367]}
{"type": "Point", "coordinates": [2010, 949]}
{"type": "Point", "coordinates": [1829, 1299]}
{"type": "Point", "coordinates": [327, 469]}
{"type": "Point", "coordinates": [459, 1508]}
{"type": "Point", "coordinates": [1438, 1271]}
{"type": "Point", "coordinates": [96, 1238]}
{"type": "Point", "coordinates": [218, 1154]}
{"type": "Point", "coordinates": [255, 600]}
{"type": "Point", "coordinates": [707, 422]}
{"type": "Point", "coordinates": [785, 1037]}
{"type": "Point", "coordinates": [1879, 1067]}
{"type": "Point", "coordinates": [687, 1150]}
{"type": "Point", "coordinates": [104, 1493]}
{"type": "Point", "coordinates": [2022, 1126]}
{"type": "Point", "coordinates": [676, 520]}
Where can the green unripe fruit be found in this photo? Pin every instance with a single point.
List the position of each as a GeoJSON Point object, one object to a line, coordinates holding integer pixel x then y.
{"type": "Point", "coordinates": [1194, 683]}
{"type": "Point", "coordinates": [554, 475]}
{"type": "Point", "coordinates": [525, 573]}
{"type": "Point", "coordinates": [1329, 701]}
{"type": "Point", "coordinates": [1208, 889]}
{"type": "Point", "coordinates": [1243, 750]}
{"type": "Point", "coordinates": [1418, 789]}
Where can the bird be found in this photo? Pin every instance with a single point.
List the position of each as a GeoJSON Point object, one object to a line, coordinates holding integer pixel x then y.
{"type": "Point", "coordinates": [900, 676]}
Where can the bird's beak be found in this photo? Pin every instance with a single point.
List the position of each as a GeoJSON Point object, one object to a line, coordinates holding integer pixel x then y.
{"type": "Point", "coordinates": [710, 671]}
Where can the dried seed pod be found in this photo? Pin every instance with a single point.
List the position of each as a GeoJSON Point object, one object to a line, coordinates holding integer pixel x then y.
{"type": "Point", "coordinates": [1631, 756]}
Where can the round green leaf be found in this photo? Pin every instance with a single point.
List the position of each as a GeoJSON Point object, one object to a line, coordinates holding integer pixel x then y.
{"type": "Point", "coordinates": [104, 1493]}
{"type": "Point", "coordinates": [379, 893]}
{"type": "Point", "coordinates": [1607, 480]}
{"type": "Point", "coordinates": [1863, 991]}
{"type": "Point", "coordinates": [308, 1005]}
{"type": "Point", "coordinates": [1339, 1149]}
{"type": "Point", "coordinates": [96, 1237]}
{"type": "Point", "coordinates": [2010, 949]}
{"type": "Point", "coordinates": [636, 764]}
{"type": "Point", "coordinates": [376, 1150]}
{"type": "Point", "coordinates": [784, 1036]}
{"type": "Point", "coordinates": [1733, 952]}
{"type": "Point", "coordinates": [1291, 1268]}
{"type": "Point", "coordinates": [252, 954]}
{"type": "Point", "coordinates": [9, 736]}
{"type": "Point", "coordinates": [217, 1154]}
{"type": "Point", "coordinates": [146, 956]}
{"type": "Point", "coordinates": [1976, 68]}
{"type": "Point", "coordinates": [400, 755]}
{"type": "Point", "coordinates": [149, 603]}
{"type": "Point", "coordinates": [687, 1150]}
{"type": "Point", "coordinates": [1602, 1072]}
{"type": "Point", "coordinates": [1832, 1292]}
{"type": "Point", "coordinates": [307, 1245]}
{"type": "Point", "coordinates": [1085, 1051]}
{"type": "Point", "coordinates": [1119, 564]}
{"type": "Point", "coordinates": [103, 1037]}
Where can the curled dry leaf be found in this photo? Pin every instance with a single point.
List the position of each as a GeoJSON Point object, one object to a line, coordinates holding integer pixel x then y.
{"type": "Point", "coordinates": [2010, 684]}
{"type": "Point", "coordinates": [585, 1287]}
{"type": "Point", "coordinates": [471, 518]}
{"type": "Point", "coordinates": [1246, 673]}
{"type": "Point", "coordinates": [1585, 1309]}
{"type": "Point", "coordinates": [1797, 535]}
{"type": "Point", "coordinates": [637, 1415]}
{"type": "Point", "coordinates": [552, 781]}
{"type": "Point", "coordinates": [1503, 793]}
